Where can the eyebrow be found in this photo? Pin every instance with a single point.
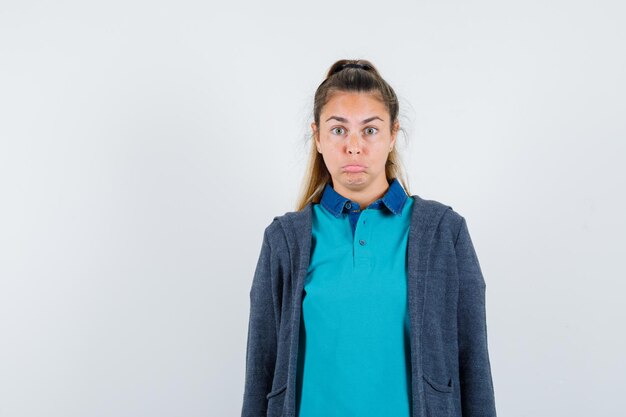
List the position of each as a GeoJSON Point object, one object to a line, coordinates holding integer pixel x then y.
{"type": "Point", "coordinates": [344, 120]}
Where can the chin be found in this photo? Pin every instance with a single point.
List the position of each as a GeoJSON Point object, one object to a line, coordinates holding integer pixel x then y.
{"type": "Point", "coordinates": [355, 182]}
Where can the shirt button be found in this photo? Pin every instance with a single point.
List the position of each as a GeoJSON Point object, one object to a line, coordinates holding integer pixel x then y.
{"type": "Point", "coordinates": [348, 205]}
{"type": "Point", "coordinates": [362, 242]}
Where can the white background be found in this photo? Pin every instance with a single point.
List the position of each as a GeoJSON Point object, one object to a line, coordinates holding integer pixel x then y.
{"type": "Point", "coordinates": [145, 146]}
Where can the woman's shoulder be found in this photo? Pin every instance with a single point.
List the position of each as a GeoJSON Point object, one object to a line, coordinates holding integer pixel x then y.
{"type": "Point", "coordinates": [296, 216]}
{"type": "Point", "coordinates": [441, 214]}
{"type": "Point", "coordinates": [288, 226]}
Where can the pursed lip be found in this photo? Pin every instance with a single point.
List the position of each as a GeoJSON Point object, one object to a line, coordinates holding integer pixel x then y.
{"type": "Point", "coordinates": [353, 168]}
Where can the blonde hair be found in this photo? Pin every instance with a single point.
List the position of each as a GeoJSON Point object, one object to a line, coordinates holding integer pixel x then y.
{"type": "Point", "coordinates": [362, 77]}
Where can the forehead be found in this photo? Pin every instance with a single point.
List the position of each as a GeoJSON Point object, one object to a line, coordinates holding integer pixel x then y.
{"type": "Point", "coordinates": [354, 105]}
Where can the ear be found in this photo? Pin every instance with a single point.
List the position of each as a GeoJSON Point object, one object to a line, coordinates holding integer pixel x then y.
{"type": "Point", "coordinates": [316, 137]}
{"type": "Point", "coordinates": [394, 133]}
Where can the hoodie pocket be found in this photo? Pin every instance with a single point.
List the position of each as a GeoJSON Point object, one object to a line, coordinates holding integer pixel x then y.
{"type": "Point", "coordinates": [276, 392]}
{"type": "Point", "coordinates": [437, 386]}
{"type": "Point", "coordinates": [276, 402]}
{"type": "Point", "coordinates": [438, 397]}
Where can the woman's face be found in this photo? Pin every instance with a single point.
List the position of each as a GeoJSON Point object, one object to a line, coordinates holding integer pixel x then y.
{"type": "Point", "coordinates": [354, 139]}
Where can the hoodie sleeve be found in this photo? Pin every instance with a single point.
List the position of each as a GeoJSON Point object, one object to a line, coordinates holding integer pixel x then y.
{"type": "Point", "coordinates": [477, 393]}
{"type": "Point", "coordinates": [262, 337]}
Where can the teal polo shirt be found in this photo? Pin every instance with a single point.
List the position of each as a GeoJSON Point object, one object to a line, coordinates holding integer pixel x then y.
{"type": "Point", "coordinates": [354, 352]}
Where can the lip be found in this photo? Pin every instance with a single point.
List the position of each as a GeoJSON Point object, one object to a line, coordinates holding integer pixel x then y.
{"type": "Point", "coordinates": [353, 168]}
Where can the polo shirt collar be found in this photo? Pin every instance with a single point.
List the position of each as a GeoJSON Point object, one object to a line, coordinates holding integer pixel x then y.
{"type": "Point", "coordinates": [394, 199]}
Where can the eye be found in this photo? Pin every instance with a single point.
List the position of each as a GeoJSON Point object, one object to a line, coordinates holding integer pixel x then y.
{"type": "Point", "coordinates": [373, 130]}
{"type": "Point", "coordinates": [335, 128]}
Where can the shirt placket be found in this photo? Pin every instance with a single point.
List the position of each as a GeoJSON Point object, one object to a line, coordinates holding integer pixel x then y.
{"type": "Point", "coordinates": [361, 243]}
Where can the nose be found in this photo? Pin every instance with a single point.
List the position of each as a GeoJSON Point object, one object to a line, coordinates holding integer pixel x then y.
{"type": "Point", "coordinates": [354, 146]}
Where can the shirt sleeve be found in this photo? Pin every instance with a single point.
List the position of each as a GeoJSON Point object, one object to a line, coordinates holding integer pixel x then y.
{"type": "Point", "coordinates": [476, 385]}
{"type": "Point", "coordinates": [262, 337]}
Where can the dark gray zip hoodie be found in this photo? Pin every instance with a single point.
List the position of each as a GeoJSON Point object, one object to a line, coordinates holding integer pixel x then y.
{"type": "Point", "coordinates": [450, 368]}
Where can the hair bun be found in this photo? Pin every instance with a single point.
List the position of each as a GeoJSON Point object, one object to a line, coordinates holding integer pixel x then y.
{"type": "Point", "coordinates": [351, 65]}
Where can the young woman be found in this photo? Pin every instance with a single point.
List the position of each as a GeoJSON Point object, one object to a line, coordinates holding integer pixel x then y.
{"type": "Point", "coordinates": [366, 301]}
